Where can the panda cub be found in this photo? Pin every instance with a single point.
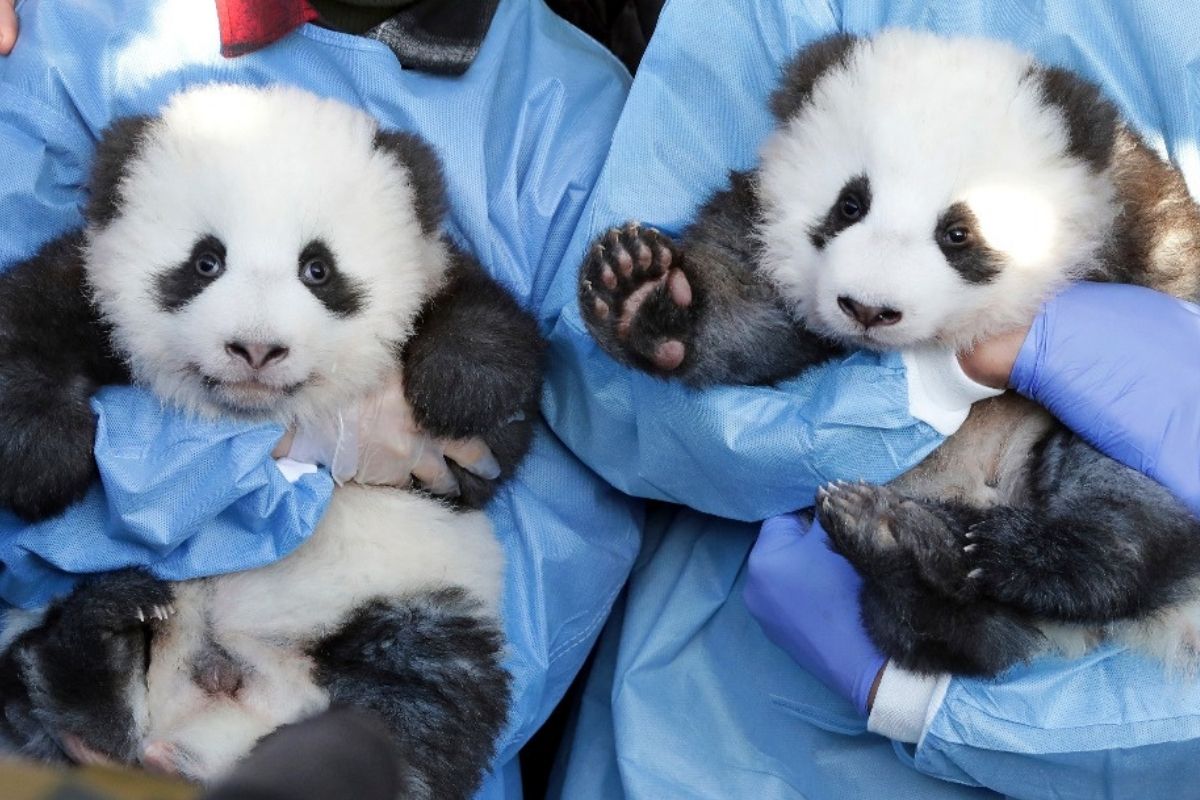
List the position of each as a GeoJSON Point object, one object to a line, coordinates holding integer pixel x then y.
{"type": "Point", "coordinates": [922, 191]}
{"type": "Point", "coordinates": [272, 255]}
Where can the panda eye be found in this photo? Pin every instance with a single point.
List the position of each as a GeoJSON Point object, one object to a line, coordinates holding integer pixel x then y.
{"type": "Point", "coordinates": [315, 272]}
{"type": "Point", "coordinates": [958, 236]}
{"type": "Point", "coordinates": [850, 207]}
{"type": "Point", "coordinates": [208, 264]}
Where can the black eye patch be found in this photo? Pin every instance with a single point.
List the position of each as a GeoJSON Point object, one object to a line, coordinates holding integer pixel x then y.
{"type": "Point", "coordinates": [317, 270]}
{"type": "Point", "coordinates": [179, 285]}
{"type": "Point", "coordinates": [957, 235]}
{"type": "Point", "coordinates": [851, 207]}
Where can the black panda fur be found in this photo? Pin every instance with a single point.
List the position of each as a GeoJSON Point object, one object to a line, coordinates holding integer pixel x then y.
{"type": "Point", "coordinates": [428, 659]}
{"type": "Point", "coordinates": [968, 581]}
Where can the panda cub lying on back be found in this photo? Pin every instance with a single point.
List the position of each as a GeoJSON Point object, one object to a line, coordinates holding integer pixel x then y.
{"type": "Point", "coordinates": [921, 191]}
{"type": "Point", "coordinates": [276, 268]}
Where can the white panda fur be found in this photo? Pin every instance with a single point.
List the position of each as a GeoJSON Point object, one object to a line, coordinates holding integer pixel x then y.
{"type": "Point", "coordinates": [845, 236]}
{"type": "Point", "coordinates": [264, 173]}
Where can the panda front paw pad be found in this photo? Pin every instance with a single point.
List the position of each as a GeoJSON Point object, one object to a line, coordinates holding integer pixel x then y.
{"type": "Point", "coordinates": [636, 299]}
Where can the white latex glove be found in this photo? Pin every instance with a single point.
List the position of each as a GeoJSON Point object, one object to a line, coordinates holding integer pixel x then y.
{"type": "Point", "coordinates": [377, 442]}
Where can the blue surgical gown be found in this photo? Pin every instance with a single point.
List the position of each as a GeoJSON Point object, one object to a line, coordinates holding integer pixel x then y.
{"type": "Point", "coordinates": [523, 135]}
{"type": "Point", "coordinates": [686, 697]}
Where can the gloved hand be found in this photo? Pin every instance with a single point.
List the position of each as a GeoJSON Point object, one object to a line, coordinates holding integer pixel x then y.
{"type": "Point", "coordinates": [805, 597]}
{"type": "Point", "coordinates": [1118, 365]}
{"type": "Point", "coordinates": [377, 442]}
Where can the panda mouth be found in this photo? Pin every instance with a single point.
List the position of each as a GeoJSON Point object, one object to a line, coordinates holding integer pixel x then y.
{"type": "Point", "coordinates": [249, 394]}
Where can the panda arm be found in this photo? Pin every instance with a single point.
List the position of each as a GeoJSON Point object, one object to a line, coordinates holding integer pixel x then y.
{"type": "Point", "coordinates": [473, 368]}
{"type": "Point", "coordinates": [54, 354]}
{"type": "Point", "coordinates": [698, 310]}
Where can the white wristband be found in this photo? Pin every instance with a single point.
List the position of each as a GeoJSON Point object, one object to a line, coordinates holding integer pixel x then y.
{"type": "Point", "coordinates": [905, 703]}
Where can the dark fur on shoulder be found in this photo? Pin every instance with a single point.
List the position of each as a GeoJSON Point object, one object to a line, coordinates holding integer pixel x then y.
{"type": "Point", "coordinates": [431, 666]}
{"type": "Point", "coordinates": [54, 355]}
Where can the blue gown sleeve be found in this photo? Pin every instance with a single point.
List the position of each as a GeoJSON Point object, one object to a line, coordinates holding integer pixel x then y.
{"type": "Point", "coordinates": [179, 496]}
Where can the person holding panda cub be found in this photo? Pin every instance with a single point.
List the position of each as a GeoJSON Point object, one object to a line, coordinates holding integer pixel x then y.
{"type": "Point", "coordinates": [1106, 724]}
{"type": "Point", "coordinates": [1054, 369]}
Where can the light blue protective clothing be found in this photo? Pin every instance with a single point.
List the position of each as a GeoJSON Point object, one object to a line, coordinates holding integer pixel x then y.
{"type": "Point", "coordinates": [687, 697]}
{"type": "Point", "coordinates": [177, 495]}
{"type": "Point", "coordinates": [523, 134]}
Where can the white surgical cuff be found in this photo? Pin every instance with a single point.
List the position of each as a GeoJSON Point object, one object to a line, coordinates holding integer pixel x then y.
{"type": "Point", "coordinates": [294, 470]}
{"type": "Point", "coordinates": [939, 392]}
{"type": "Point", "coordinates": [905, 703]}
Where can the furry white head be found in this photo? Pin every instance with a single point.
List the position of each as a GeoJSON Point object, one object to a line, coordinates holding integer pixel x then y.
{"type": "Point", "coordinates": [926, 191]}
{"type": "Point", "coordinates": [265, 253]}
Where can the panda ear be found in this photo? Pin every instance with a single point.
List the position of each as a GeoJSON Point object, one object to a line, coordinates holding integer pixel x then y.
{"type": "Point", "coordinates": [803, 71]}
{"type": "Point", "coordinates": [1092, 121]}
{"type": "Point", "coordinates": [118, 145]}
{"type": "Point", "coordinates": [424, 173]}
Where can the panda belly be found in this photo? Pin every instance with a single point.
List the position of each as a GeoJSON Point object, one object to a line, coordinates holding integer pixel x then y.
{"type": "Point", "coordinates": [986, 462]}
{"type": "Point", "coordinates": [233, 664]}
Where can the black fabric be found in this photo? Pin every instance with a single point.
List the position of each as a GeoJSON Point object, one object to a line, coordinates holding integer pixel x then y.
{"type": "Point", "coordinates": [623, 26]}
{"type": "Point", "coordinates": [437, 36]}
{"type": "Point", "coordinates": [356, 16]}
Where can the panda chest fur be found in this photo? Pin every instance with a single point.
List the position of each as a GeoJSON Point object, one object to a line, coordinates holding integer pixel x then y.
{"type": "Point", "coordinates": [238, 658]}
{"type": "Point", "coordinates": [987, 461]}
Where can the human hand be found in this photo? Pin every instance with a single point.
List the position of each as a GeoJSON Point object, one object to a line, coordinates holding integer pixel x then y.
{"type": "Point", "coordinates": [806, 598]}
{"type": "Point", "coordinates": [8, 26]}
{"type": "Point", "coordinates": [377, 442]}
{"type": "Point", "coordinates": [1120, 366]}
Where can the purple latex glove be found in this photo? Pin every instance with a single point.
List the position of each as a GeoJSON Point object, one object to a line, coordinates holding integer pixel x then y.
{"type": "Point", "coordinates": [1120, 366]}
{"type": "Point", "coordinates": [805, 597]}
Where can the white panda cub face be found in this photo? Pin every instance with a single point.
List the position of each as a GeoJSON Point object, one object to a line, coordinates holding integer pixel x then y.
{"type": "Point", "coordinates": [926, 192]}
{"type": "Point", "coordinates": [266, 254]}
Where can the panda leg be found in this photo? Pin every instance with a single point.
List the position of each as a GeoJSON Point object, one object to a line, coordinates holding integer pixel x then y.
{"type": "Point", "coordinates": [907, 552]}
{"type": "Point", "coordinates": [430, 664]}
{"type": "Point", "coordinates": [81, 672]}
{"type": "Point", "coordinates": [1102, 542]}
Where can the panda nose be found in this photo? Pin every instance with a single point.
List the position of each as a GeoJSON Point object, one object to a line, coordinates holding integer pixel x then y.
{"type": "Point", "coordinates": [257, 354]}
{"type": "Point", "coordinates": [868, 316]}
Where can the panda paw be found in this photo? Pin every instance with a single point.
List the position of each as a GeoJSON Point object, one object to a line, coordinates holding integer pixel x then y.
{"type": "Point", "coordinates": [859, 518]}
{"type": "Point", "coordinates": [877, 529]}
{"type": "Point", "coordinates": [1004, 560]}
{"type": "Point", "coordinates": [636, 299]}
{"type": "Point", "coordinates": [119, 601]}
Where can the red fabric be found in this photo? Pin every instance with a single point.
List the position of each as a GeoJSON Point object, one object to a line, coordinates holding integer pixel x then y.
{"type": "Point", "coordinates": [248, 25]}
